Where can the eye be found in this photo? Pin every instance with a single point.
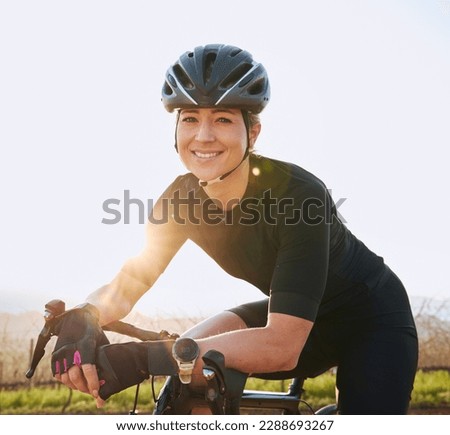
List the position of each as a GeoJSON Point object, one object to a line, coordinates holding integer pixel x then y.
{"type": "Point", "coordinates": [224, 120]}
{"type": "Point", "coordinates": [188, 119]}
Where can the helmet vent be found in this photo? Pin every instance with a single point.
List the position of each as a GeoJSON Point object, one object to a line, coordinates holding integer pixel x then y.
{"type": "Point", "coordinates": [235, 52]}
{"type": "Point", "coordinates": [167, 90]}
{"type": "Point", "coordinates": [235, 75]}
{"type": "Point", "coordinates": [209, 63]}
{"type": "Point", "coordinates": [257, 87]}
{"type": "Point", "coordinates": [182, 77]}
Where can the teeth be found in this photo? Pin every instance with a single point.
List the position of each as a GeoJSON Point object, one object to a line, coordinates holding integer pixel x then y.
{"type": "Point", "coordinates": [205, 155]}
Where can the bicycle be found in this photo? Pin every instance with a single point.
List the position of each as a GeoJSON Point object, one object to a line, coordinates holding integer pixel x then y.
{"type": "Point", "coordinates": [225, 392]}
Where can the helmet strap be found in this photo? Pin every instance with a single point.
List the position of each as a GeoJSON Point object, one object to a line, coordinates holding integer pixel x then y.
{"type": "Point", "coordinates": [176, 127]}
{"type": "Point", "coordinates": [222, 177]}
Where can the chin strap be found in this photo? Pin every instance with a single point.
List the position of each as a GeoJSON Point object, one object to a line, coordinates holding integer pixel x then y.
{"type": "Point", "coordinates": [222, 177]}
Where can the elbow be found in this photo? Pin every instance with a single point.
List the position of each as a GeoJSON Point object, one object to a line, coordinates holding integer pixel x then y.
{"type": "Point", "coordinates": [285, 353]}
{"type": "Point", "coordinates": [287, 336]}
{"type": "Point", "coordinates": [289, 362]}
{"type": "Point", "coordinates": [284, 357]}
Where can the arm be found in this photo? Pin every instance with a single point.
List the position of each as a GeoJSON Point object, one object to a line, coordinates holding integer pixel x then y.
{"type": "Point", "coordinates": [253, 350]}
{"type": "Point", "coordinates": [73, 359]}
{"type": "Point", "coordinates": [116, 299]}
{"type": "Point", "coordinates": [112, 301]}
{"type": "Point", "coordinates": [163, 239]}
{"type": "Point", "coordinates": [275, 347]}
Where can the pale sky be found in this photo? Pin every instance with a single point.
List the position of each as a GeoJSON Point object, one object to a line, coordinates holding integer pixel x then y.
{"type": "Point", "coordinates": [360, 97]}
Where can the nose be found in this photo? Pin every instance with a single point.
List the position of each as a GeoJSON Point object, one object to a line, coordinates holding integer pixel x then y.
{"type": "Point", "coordinates": [205, 132]}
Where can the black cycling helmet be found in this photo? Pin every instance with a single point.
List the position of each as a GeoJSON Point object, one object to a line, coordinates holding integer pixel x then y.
{"type": "Point", "coordinates": [216, 75]}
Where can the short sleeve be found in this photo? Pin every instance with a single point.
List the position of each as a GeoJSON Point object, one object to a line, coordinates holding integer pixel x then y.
{"type": "Point", "coordinates": [300, 273]}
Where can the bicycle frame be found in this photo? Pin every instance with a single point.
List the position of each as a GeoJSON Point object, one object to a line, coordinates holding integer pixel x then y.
{"type": "Point", "coordinates": [274, 402]}
{"type": "Point", "coordinates": [175, 400]}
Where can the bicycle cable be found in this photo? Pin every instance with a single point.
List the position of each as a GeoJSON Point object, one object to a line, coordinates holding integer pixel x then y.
{"type": "Point", "coordinates": [308, 405]}
{"type": "Point", "coordinates": [155, 400]}
{"type": "Point", "coordinates": [136, 397]}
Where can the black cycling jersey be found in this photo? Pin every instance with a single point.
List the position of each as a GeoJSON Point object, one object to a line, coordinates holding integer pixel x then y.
{"type": "Point", "coordinates": [284, 237]}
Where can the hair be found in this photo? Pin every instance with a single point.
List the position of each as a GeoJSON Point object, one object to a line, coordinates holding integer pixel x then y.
{"type": "Point", "coordinates": [253, 119]}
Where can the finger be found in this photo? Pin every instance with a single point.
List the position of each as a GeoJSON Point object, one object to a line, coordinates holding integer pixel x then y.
{"type": "Point", "coordinates": [100, 402]}
{"type": "Point", "coordinates": [91, 377]}
{"type": "Point", "coordinates": [67, 382]}
{"type": "Point", "coordinates": [57, 371]}
{"type": "Point", "coordinates": [77, 378]}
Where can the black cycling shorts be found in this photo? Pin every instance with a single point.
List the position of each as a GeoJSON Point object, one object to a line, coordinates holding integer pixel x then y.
{"type": "Point", "coordinates": [372, 342]}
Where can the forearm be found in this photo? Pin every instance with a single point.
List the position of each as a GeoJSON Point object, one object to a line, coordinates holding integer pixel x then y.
{"type": "Point", "coordinates": [273, 348]}
{"type": "Point", "coordinates": [248, 351]}
{"type": "Point", "coordinates": [116, 299]}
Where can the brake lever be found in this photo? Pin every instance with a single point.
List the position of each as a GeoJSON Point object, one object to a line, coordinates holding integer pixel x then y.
{"type": "Point", "coordinates": [53, 309]}
{"type": "Point", "coordinates": [224, 385]}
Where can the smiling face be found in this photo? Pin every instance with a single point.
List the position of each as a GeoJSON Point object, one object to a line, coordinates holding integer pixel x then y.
{"type": "Point", "coordinates": [212, 142]}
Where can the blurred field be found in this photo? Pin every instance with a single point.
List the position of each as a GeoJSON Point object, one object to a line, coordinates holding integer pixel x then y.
{"type": "Point", "coordinates": [42, 396]}
{"type": "Point", "coordinates": [431, 395]}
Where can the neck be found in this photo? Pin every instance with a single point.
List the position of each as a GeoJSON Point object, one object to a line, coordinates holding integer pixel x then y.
{"type": "Point", "coordinates": [230, 190]}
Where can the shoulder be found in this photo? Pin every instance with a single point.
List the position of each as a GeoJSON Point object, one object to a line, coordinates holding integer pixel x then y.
{"type": "Point", "coordinates": [284, 176]}
{"type": "Point", "coordinates": [183, 183]}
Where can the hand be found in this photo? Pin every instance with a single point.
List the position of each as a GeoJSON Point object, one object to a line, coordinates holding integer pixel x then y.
{"type": "Point", "coordinates": [122, 365]}
{"type": "Point", "coordinates": [73, 359]}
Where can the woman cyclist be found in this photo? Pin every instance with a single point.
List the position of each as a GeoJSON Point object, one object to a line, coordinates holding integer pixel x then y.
{"type": "Point", "coordinates": [327, 299]}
